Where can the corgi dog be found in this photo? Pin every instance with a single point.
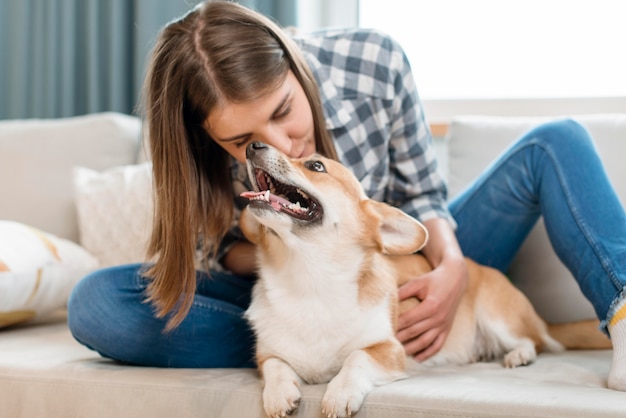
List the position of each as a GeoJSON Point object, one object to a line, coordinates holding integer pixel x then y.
{"type": "Point", "coordinates": [325, 305]}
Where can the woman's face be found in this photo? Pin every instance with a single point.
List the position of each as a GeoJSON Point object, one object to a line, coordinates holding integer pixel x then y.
{"type": "Point", "coordinates": [282, 119]}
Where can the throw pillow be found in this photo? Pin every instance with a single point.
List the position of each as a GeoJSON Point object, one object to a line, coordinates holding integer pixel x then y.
{"type": "Point", "coordinates": [37, 272]}
{"type": "Point", "coordinates": [115, 212]}
{"type": "Point", "coordinates": [36, 160]}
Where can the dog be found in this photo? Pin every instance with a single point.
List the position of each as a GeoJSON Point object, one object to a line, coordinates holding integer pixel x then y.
{"type": "Point", "coordinates": [325, 306]}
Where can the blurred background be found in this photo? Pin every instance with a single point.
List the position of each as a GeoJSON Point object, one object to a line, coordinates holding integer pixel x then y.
{"type": "Point", "coordinates": [62, 58]}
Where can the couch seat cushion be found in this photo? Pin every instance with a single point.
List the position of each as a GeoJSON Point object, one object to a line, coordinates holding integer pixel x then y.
{"type": "Point", "coordinates": [44, 372]}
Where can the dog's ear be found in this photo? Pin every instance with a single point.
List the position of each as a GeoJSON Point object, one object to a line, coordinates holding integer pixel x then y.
{"type": "Point", "coordinates": [250, 227]}
{"type": "Point", "coordinates": [398, 232]}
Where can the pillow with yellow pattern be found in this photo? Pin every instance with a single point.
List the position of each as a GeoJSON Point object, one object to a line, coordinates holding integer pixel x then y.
{"type": "Point", "coordinates": [37, 272]}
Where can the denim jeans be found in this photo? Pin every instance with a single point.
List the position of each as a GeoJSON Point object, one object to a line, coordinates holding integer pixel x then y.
{"type": "Point", "coordinates": [107, 313]}
{"type": "Point", "coordinates": [553, 171]}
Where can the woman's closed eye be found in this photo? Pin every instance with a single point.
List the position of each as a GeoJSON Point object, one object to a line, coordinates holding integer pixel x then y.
{"type": "Point", "coordinates": [282, 113]}
{"type": "Point", "coordinates": [243, 141]}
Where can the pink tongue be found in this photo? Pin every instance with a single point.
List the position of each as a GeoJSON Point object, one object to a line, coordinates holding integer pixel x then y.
{"type": "Point", "coordinates": [276, 202]}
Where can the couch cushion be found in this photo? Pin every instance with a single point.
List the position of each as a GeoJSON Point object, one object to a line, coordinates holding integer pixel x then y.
{"type": "Point", "coordinates": [45, 372]}
{"type": "Point", "coordinates": [36, 160]}
{"type": "Point", "coordinates": [475, 141]}
{"type": "Point", "coordinates": [115, 212]}
{"type": "Point", "coordinates": [37, 272]}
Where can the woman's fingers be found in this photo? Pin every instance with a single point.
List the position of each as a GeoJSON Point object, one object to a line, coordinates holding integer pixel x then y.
{"type": "Point", "coordinates": [432, 349]}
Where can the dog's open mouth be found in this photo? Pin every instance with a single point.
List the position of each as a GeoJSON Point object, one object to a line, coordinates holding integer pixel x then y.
{"type": "Point", "coordinates": [282, 197]}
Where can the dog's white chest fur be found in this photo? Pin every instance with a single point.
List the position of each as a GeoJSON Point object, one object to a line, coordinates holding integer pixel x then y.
{"type": "Point", "coordinates": [309, 315]}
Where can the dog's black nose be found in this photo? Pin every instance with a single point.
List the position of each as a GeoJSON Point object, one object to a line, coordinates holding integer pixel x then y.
{"type": "Point", "coordinates": [254, 147]}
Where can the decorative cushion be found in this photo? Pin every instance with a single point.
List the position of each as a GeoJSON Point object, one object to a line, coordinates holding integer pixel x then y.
{"type": "Point", "coordinates": [36, 160]}
{"type": "Point", "coordinates": [475, 141]}
{"type": "Point", "coordinates": [37, 272]}
{"type": "Point", "coordinates": [115, 210]}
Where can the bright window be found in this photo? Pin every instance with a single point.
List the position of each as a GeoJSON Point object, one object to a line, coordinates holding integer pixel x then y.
{"type": "Point", "coordinates": [508, 49]}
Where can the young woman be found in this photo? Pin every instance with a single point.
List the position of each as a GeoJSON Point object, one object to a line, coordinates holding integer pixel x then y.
{"type": "Point", "coordinates": [223, 76]}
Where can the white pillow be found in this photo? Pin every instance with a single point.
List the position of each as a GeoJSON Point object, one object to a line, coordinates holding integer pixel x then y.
{"type": "Point", "coordinates": [37, 272]}
{"type": "Point", "coordinates": [36, 160]}
{"type": "Point", "coordinates": [115, 210]}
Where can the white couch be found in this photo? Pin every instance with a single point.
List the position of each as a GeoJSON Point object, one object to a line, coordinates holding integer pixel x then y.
{"type": "Point", "coordinates": [104, 208]}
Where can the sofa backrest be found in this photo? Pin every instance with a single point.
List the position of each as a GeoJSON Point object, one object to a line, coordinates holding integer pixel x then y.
{"type": "Point", "coordinates": [37, 157]}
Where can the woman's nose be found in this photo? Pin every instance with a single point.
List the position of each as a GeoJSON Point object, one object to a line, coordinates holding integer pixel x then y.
{"type": "Point", "coordinates": [278, 139]}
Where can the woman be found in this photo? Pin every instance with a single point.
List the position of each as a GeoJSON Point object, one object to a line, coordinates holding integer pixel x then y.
{"type": "Point", "coordinates": [223, 76]}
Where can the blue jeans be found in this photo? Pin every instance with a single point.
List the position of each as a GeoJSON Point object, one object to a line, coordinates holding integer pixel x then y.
{"type": "Point", "coordinates": [553, 171]}
{"type": "Point", "coordinates": [107, 313]}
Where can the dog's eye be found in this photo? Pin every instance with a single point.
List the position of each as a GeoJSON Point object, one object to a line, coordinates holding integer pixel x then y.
{"type": "Point", "coordinates": [315, 166]}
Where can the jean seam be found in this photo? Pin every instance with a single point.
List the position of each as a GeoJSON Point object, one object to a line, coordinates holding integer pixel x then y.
{"type": "Point", "coordinates": [211, 307]}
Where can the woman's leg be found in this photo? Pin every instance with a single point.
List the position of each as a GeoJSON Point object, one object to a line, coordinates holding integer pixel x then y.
{"type": "Point", "coordinates": [107, 313]}
{"type": "Point", "coordinates": [553, 171]}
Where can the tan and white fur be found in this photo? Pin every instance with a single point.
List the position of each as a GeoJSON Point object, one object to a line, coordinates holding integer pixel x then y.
{"type": "Point", "coordinates": [325, 305]}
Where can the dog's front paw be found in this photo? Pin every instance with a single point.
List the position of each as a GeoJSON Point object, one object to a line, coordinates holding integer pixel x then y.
{"type": "Point", "coordinates": [520, 356]}
{"type": "Point", "coordinates": [281, 400]}
{"type": "Point", "coordinates": [341, 400]}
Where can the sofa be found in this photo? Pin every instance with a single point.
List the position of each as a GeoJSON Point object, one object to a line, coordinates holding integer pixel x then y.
{"type": "Point", "coordinates": [76, 196]}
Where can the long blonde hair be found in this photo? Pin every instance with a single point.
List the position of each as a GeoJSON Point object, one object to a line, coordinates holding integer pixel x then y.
{"type": "Point", "coordinates": [220, 51]}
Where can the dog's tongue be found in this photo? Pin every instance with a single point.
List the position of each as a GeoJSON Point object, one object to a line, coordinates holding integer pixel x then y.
{"type": "Point", "coordinates": [275, 201]}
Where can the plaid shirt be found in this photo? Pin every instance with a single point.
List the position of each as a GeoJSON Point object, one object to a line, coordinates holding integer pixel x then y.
{"type": "Point", "coordinates": [374, 114]}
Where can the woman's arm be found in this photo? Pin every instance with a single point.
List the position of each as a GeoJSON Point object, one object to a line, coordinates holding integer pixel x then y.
{"type": "Point", "coordinates": [423, 329]}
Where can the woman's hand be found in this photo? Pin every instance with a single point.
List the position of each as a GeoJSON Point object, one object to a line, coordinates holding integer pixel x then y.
{"type": "Point", "coordinates": [424, 328]}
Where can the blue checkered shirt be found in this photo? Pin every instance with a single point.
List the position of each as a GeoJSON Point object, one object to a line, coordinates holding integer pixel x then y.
{"type": "Point", "coordinates": [374, 114]}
